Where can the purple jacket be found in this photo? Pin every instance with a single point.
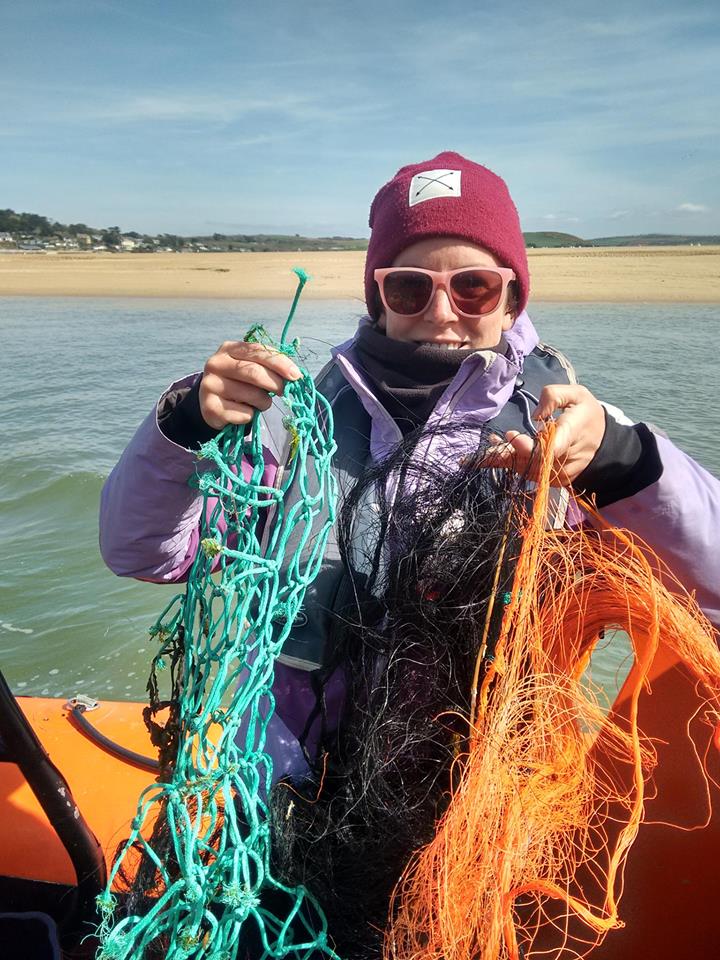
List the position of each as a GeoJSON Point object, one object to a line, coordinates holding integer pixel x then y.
{"type": "Point", "coordinates": [149, 516]}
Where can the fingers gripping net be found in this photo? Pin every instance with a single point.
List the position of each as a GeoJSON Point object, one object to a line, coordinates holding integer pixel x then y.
{"type": "Point", "coordinates": [207, 859]}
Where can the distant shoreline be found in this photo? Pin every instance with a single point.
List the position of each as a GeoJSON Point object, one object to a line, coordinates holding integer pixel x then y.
{"type": "Point", "coordinates": [594, 274]}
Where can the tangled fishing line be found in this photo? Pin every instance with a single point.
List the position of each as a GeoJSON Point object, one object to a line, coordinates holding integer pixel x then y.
{"type": "Point", "coordinates": [528, 858]}
{"type": "Point", "coordinates": [200, 870]}
{"type": "Point", "coordinates": [421, 540]}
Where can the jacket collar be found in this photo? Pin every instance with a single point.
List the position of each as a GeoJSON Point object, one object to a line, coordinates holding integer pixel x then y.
{"type": "Point", "coordinates": [481, 388]}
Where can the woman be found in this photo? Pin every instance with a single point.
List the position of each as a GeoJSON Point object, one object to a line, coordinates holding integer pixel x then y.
{"type": "Point", "coordinates": [446, 354]}
{"type": "Point", "coordinates": [426, 341]}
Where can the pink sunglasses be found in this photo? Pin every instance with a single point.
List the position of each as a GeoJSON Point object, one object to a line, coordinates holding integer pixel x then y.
{"type": "Point", "coordinates": [473, 291]}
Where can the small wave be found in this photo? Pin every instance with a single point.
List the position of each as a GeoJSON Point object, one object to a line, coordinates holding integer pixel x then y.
{"type": "Point", "coordinates": [13, 629]}
{"type": "Point", "coordinates": [20, 480]}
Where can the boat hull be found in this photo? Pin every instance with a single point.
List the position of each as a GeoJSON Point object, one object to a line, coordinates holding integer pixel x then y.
{"type": "Point", "coordinates": [104, 787]}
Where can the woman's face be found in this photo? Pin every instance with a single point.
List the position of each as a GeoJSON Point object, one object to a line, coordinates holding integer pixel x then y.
{"type": "Point", "coordinates": [439, 324]}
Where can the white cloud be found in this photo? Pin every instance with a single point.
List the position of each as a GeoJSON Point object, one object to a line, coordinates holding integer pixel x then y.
{"type": "Point", "coordinates": [639, 25]}
{"type": "Point", "coordinates": [69, 103]}
{"type": "Point", "coordinates": [619, 214]}
{"type": "Point", "coordinates": [202, 107]}
{"type": "Point", "coordinates": [255, 140]}
{"type": "Point", "coordinates": [692, 208]}
{"type": "Point", "coordinates": [73, 104]}
{"type": "Point", "coordinates": [564, 218]}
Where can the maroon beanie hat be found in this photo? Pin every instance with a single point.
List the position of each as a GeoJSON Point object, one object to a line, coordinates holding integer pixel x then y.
{"type": "Point", "coordinates": [447, 196]}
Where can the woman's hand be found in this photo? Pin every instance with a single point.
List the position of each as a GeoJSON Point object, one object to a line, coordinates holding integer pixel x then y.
{"type": "Point", "coordinates": [578, 434]}
{"type": "Point", "coordinates": [239, 379]}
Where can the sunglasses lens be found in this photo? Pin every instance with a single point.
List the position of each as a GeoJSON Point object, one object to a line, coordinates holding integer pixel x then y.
{"type": "Point", "coordinates": [406, 292]}
{"type": "Point", "coordinates": [476, 292]}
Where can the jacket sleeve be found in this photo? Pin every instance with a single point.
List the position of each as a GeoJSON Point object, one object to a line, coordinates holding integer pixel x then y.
{"type": "Point", "coordinates": [149, 512]}
{"type": "Point", "coordinates": [640, 481]}
{"type": "Point", "coordinates": [678, 516]}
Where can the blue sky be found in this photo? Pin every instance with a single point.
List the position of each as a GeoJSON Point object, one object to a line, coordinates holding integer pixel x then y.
{"type": "Point", "coordinates": [195, 116]}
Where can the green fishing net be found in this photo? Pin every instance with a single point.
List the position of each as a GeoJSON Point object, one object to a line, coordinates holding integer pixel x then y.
{"type": "Point", "coordinates": [206, 861]}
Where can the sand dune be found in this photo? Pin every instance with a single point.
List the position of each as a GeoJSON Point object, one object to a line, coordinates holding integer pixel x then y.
{"type": "Point", "coordinates": [659, 274]}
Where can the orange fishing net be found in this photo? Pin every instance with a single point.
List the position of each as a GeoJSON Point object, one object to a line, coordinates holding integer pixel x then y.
{"type": "Point", "coordinates": [528, 859]}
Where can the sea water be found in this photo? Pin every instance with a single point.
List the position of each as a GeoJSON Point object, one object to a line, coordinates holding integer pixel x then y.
{"type": "Point", "coordinates": [78, 376]}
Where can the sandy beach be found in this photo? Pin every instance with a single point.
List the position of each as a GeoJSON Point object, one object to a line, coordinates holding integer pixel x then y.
{"type": "Point", "coordinates": [613, 274]}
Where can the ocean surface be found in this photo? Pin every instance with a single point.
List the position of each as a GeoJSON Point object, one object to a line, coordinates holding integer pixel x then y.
{"type": "Point", "coordinates": [80, 374]}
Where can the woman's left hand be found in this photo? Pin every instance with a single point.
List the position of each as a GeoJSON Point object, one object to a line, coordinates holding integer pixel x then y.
{"type": "Point", "coordinates": [578, 434]}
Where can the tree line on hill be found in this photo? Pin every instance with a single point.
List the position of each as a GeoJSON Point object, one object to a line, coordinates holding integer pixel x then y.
{"type": "Point", "coordinates": [27, 225]}
{"type": "Point", "coordinates": [24, 225]}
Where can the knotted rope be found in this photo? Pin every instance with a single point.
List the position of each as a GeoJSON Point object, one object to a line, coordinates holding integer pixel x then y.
{"type": "Point", "coordinates": [207, 859]}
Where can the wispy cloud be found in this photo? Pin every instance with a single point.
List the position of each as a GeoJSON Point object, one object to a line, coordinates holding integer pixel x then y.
{"type": "Point", "coordinates": [692, 208]}
{"type": "Point", "coordinates": [258, 140]}
{"type": "Point", "coordinates": [565, 218]}
{"type": "Point", "coordinates": [70, 104]}
{"type": "Point", "coordinates": [637, 24]}
{"type": "Point", "coordinates": [188, 106]}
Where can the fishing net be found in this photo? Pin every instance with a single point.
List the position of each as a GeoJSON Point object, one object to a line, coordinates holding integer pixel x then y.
{"type": "Point", "coordinates": [548, 797]}
{"type": "Point", "coordinates": [202, 872]}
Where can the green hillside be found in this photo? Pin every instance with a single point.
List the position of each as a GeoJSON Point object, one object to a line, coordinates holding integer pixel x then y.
{"type": "Point", "coordinates": [655, 240]}
{"type": "Point", "coordinates": [547, 238]}
{"type": "Point", "coordinates": [550, 239]}
{"type": "Point", "coordinates": [273, 242]}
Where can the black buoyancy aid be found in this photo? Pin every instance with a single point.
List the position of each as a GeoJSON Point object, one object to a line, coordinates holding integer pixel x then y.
{"type": "Point", "coordinates": [311, 640]}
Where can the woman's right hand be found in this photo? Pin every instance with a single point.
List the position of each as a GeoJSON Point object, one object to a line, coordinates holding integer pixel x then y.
{"type": "Point", "coordinates": [238, 380]}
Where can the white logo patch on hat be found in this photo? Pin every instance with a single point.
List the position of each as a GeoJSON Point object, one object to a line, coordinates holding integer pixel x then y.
{"type": "Point", "coordinates": [433, 184]}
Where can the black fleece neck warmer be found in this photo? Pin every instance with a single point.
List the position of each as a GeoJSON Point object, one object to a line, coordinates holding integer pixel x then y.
{"type": "Point", "coordinates": [408, 378]}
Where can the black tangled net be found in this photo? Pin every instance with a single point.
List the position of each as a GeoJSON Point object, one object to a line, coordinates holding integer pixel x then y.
{"type": "Point", "coordinates": [422, 539]}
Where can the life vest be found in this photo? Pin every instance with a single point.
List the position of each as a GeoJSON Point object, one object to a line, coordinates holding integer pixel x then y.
{"type": "Point", "coordinates": [315, 630]}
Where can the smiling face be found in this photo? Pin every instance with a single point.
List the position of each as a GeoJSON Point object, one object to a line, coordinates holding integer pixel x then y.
{"type": "Point", "coordinates": [439, 324]}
